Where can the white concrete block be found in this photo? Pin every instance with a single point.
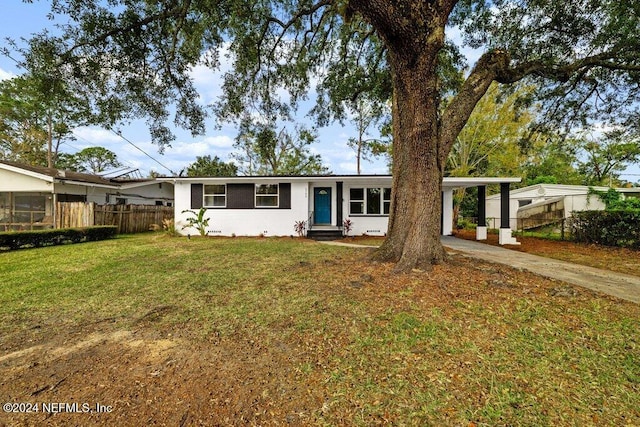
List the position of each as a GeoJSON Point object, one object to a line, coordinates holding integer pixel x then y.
{"type": "Point", "coordinates": [506, 238]}
{"type": "Point", "coordinates": [481, 233]}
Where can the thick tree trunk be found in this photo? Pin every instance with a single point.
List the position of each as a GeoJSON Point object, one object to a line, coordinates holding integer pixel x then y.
{"type": "Point", "coordinates": [413, 238]}
{"type": "Point", "coordinates": [413, 33]}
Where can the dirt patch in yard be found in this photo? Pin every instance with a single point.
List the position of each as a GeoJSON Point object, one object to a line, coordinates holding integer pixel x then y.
{"type": "Point", "coordinates": [151, 377]}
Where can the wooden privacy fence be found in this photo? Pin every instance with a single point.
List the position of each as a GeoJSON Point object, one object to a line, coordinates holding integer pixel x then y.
{"type": "Point", "coordinates": [128, 218]}
{"type": "Point", "coordinates": [74, 214]}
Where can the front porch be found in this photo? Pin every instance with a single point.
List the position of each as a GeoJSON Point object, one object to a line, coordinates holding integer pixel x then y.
{"type": "Point", "coordinates": [326, 201]}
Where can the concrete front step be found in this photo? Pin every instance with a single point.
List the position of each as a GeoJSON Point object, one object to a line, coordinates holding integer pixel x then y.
{"type": "Point", "coordinates": [324, 234]}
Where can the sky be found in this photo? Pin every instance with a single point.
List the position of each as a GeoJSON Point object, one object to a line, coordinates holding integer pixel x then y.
{"type": "Point", "coordinates": [20, 20]}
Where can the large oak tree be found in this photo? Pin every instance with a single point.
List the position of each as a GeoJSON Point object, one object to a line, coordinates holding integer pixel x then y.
{"type": "Point", "coordinates": [135, 56]}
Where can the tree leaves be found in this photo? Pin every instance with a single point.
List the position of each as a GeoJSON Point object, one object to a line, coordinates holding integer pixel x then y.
{"type": "Point", "coordinates": [208, 166]}
{"type": "Point", "coordinates": [263, 151]}
{"type": "Point", "coordinates": [607, 155]}
{"type": "Point", "coordinates": [38, 114]}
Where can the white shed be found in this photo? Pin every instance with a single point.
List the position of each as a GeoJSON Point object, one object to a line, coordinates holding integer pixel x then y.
{"type": "Point", "coordinates": [554, 200]}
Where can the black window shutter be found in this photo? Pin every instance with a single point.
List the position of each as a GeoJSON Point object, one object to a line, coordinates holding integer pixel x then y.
{"type": "Point", "coordinates": [241, 196]}
{"type": "Point", "coordinates": [196, 196]}
{"type": "Point", "coordinates": [339, 203]}
{"type": "Point", "coordinates": [285, 196]}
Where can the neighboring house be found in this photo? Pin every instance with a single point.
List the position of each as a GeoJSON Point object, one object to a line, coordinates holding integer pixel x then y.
{"type": "Point", "coordinates": [28, 194]}
{"type": "Point", "coordinates": [270, 205]}
{"type": "Point", "coordinates": [541, 204]}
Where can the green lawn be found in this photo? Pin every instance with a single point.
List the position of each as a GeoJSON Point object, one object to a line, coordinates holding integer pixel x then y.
{"type": "Point", "coordinates": [467, 343]}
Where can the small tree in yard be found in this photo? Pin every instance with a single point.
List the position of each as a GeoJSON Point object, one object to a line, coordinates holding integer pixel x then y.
{"type": "Point", "coordinates": [197, 221]}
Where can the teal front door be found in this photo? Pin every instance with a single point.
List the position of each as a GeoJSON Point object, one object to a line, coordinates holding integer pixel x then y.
{"type": "Point", "coordinates": [322, 205]}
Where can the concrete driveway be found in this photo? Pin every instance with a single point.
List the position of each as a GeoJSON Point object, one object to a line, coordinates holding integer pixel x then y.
{"type": "Point", "coordinates": [619, 285]}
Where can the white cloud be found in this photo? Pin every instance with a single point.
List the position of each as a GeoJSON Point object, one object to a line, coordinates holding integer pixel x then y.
{"type": "Point", "coordinates": [347, 167]}
{"type": "Point", "coordinates": [209, 81]}
{"type": "Point", "coordinates": [5, 75]}
{"type": "Point", "coordinates": [96, 136]}
{"type": "Point", "coordinates": [209, 145]}
{"type": "Point", "coordinates": [220, 141]}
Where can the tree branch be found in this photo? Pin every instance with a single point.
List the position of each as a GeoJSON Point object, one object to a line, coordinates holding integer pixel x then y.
{"type": "Point", "coordinates": [495, 65]}
{"type": "Point", "coordinates": [563, 73]}
{"type": "Point", "coordinates": [176, 11]}
{"type": "Point", "coordinates": [459, 110]}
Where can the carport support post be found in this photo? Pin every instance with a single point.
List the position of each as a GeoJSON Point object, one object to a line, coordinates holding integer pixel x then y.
{"type": "Point", "coordinates": [481, 229]}
{"type": "Point", "coordinates": [447, 212]}
{"type": "Point", "coordinates": [505, 237]}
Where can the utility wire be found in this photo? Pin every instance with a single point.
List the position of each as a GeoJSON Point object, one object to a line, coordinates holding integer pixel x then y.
{"type": "Point", "coordinates": [121, 136]}
{"type": "Point", "coordinates": [142, 151]}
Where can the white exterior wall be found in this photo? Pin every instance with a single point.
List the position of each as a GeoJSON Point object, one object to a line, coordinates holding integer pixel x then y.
{"type": "Point", "coordinates": [372, 225]}
{"type": "Point", "coordinates": [18, 182]}
{"type": "Point", "coordinates": [245, 222]}
{"type": "Point", "coordinates": [144, 194]}
{"type": "Point", "coordinates": [493, 213]}
{"type": "Point", "coordinates": [572, 202]}
{"type": "Point", "coordinates": [447, 212]}
{"type": "Point", "coordinates": [93, 193]}
{"type": "Point", "coordinates": [582, 203]}
{"type": "Point", "coordinates": [280, 222]}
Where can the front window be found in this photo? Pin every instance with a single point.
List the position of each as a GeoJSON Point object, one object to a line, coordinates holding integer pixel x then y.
{"type": "Point", "coordinates": [215, 196]}
{"type": "Point", "coordinates": [373, 201]}
{"type": "Point", "coordinates": [386, 200]}
{"type": "Point", "coordinates": [369, 201]}
{"type": "Point", "coordinates": [356, 201]}
{"type": "Point", "coordinates": [267, 195]}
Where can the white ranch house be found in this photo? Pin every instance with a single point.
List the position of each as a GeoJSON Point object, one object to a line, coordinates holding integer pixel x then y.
{"type": "Point", "coordinates": [270, 205]}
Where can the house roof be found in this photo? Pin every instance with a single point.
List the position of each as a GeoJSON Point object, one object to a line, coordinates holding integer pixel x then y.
{"type": "Point", "coordinates": [540, 203]}
{"type": "Point", "coordinates": [447, 181]}
{"type": "Point", "coordinates": [555, 190]}
{"type": "Point", "coordinates": [59, 175]}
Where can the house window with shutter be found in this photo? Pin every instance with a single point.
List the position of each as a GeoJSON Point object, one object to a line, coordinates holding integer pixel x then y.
{"type": "Point", "coordinates": [215, 196]}
{"type": "Point", "coordinates": [267, 196]}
